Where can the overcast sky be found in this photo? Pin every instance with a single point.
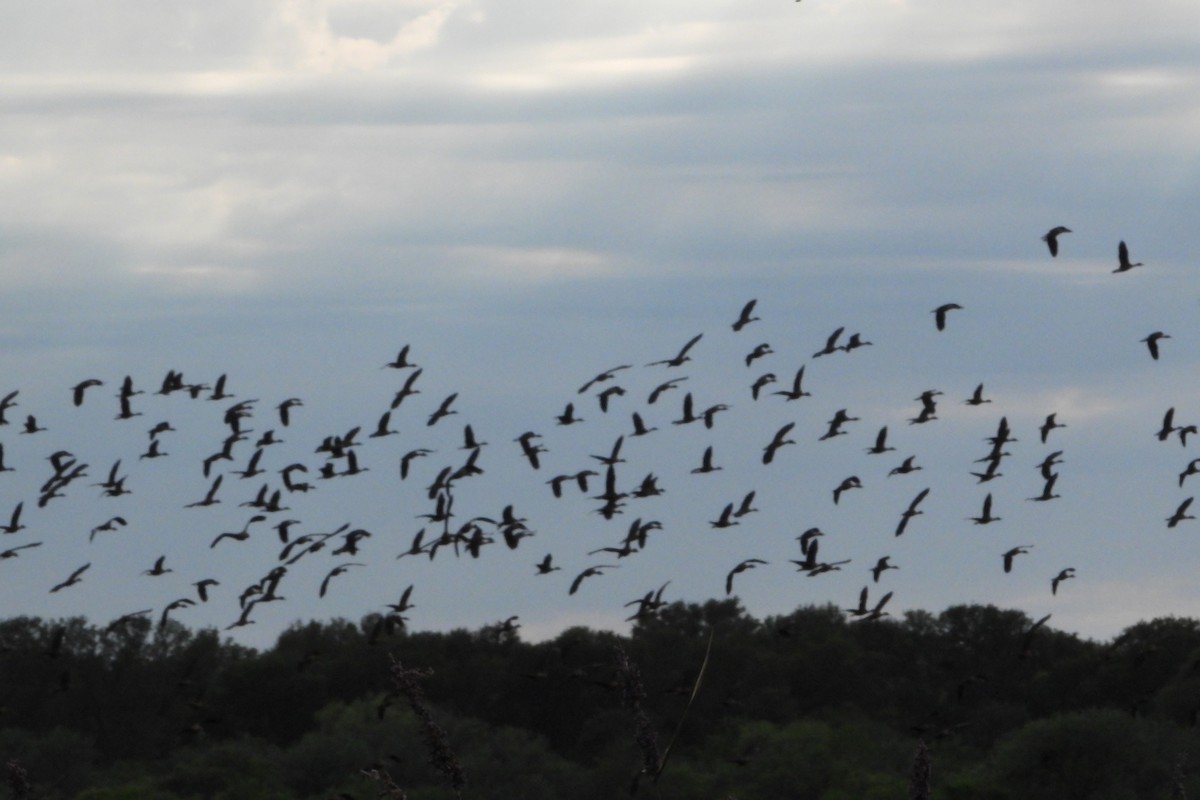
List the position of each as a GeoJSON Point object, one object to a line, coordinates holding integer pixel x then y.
{"type": "Point", "coordinates": [531, 193]}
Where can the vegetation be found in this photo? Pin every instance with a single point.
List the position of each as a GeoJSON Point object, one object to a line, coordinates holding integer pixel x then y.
{"type": "Point", "coordinates": [974, 702]}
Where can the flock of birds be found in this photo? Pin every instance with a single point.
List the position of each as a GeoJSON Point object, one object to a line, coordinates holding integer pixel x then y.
{"type": "Point", "coordinates": [443, 459]}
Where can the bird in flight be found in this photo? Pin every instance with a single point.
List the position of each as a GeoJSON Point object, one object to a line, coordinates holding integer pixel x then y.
{"type": "Point", "coordinates": [745, 317]}
{"type": "Point", "coordinates": [1051, 238]}
{"type": "Point", "coordinates": [1152, 342]}
{"type": "Point", "coordinates": [940, 314]}
{"type": "Point", "coordinates": [1123, 263]}
{"type": "Point", "coordinates": [680, 357]}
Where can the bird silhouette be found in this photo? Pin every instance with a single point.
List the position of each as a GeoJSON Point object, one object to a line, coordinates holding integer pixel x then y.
{"type": "Point", "coordinates": [749, 563]}
{"type": "Point", "coordinates": [1051, 238]}
{"type": "Point", "coordinates": [1180, 513]}
{"type": "Point", "coordinates": [72, 579]}
{"type": "Point", "coordinates": [846, 485]}
{"type": "Point", "coordinates": [745, 317]}
{"type": "Point", "coordinates": [1152, 342]}
{"type": "Point", "coordinates": [831, 345]}
{"type": "Point", "coordinates": [590, 572]}
{"type": "Point", "coordinates": [679, 358]}
{"type": "Point", "coordinates": [78, 390]}
{"type": "Point", "coordinates": [1063, 575]}
{"type": "Point", "coordinates": [758, 352]}
{"type": "Point", "coordinates": [797, 391]}
{"type": "Point", "coordinates": [1012, 553]}
{"type": "Point", "coordinates": [940, 314]}
{"type": "Point", "coordinates": [881, 566]}
{"type": "Point", "coordinates": [779, 440]}
{"type": "Point", "coordinates": [985, 516]}
{"type": "Point", "coordinates": [1123, 263]}
{"type": "Point", "coordinates": [333, 573]}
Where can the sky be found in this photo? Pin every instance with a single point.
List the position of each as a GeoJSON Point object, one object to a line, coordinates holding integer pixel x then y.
{"type": "Point", "coordinates": [529, 194]}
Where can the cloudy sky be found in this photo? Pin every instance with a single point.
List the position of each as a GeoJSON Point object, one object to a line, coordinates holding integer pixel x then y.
{"type": "Point", "coordinates": [531, 193]}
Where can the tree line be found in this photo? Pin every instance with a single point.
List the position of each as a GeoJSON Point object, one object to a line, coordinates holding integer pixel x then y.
{"type": "Point", "coordinates": [698, 701]}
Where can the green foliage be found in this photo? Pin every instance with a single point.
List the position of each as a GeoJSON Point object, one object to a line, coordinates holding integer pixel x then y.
{"type": "Point", "coordinates": [1099, 754]}
{"type": "Point", "coordinates": [800, 705]}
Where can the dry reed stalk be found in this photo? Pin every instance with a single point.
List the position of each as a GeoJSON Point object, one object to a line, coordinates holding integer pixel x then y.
{"type": "Point", "coordinates": [918, 785]}
{"type": "Point", "coordinates": [437, 745]}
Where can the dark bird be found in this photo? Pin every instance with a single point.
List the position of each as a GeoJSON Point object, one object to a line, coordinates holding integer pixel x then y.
{"type": "Point", "coordinates": [80, 388]}
{"type": "Point", "coordinates": [865, 613]}
{"type": "Point", "coordinates": [442, 411]}
{"type": "Point", "coordinates": [159, 567]}
{"type": "Point", "coordinates": [182, 602]}
{"type": "Point", "coordinates": [588, 573]}
{"type": "Point", "coordinates": [1047, 490]}
{"type": "Point", "coordinates": [403, 604]}
{"type": "Point", "coordinates": [797, 390]}
{"type": "Point", "coordinates": [806, 539]}
{"type": "Point", "coordinates": [648, 603]}
{"type": "Point", "coordinates": [1180, 513]}
{"type": "Point", "coordinates": [1027, 638]}
{"type": "Point", "coordinates": [1009, 555]}
{"type": "Point", "coordinates": [880, 445]}
{"type": "Point", "coordinates": [407, 389]}
{"type": "Point", "coordinates": [568, 416]}
{"type": "Point", "coordinates": [544, 566]}
{"type": "Point", "coordinates": [639, 426]}
{"type": "Point", "coordinates": [1123, 264]}
{"type": "Point", "coordinates": [605, 396]}
{"type": "Point", "coordinates": [706, 463]}
{"type": "Point", "coordinates": [846, 485]}
{"type": "Point", "coordinates": [1152, 342]}
{"type": "Point", "coordinates": [758, 352]}
{"type": "Point", "coordinates": [13, 552]}
{"type": "Point", "coordinates": [778, 441]}
{"type": "Point", "coordinates": [977, 398]}
{"type": "Point", "coordinates": [840, 418]}
{"type": "Point", "coordinates": [407, 459]}
{"type": "Point", "coordinates": [401, 361]}
{"type": "Point", "coordinates": [688, 415]}
{"type": "Point", "coordinates": [338, 570]}
{"type": "Point", "coordinates": [615, 456]}
{"type": "Point", "coordinates": [1050, 424]}
{"type": "Point", "coordinates": [911, 511]}
{"type": "Point", "coordinates": [940, 314]}
{"type": "Point", "coordinates": [31, 425]}
{"type": "Point", "coordinates": [747, 505]}
{"type": "Point", "coordinates": [530, 449]}
{"type": "Point", "coordinates": [218, 389]}
{"type": "Point", "coordinates": [679, 358]}
{"type": "Point", "coordinates": [763, 380]}
{"type": "Point", "coordinates": [1192, 468]}
{"type": "Point", "coordinates": [881, 566]}
{"type": "Point", "coordinates": [749, 563]}
{"type": "Point", "coordinates": [202, 587]}
{"type": "Point", "coordinates": [6, 403]}
{"type": "Point", "coordinates": [906, 467]}
{"type": "Point", "coordinates": [211, 497]}
{"type": "Point", "coordinates": [607, 375]}
{"type": "Point", "coordinates": [745, 317]}
{"type": "Point", "coordinates": [666, 386]}
{"type": "Point", "coordinates": [985, 516]}
{"type": "Point", "coordinates": [854, 342]}
{"type": "Point", "coordinates": [1051, 238]}
{"type": "Point", "coordinates": [381, 427]}
{"type": "Point", "coordinates": [831, 345]}
{"type": "Point", "coordinates": [73, 579]}
{"type": "Point", "coordinates": [1065, 574]}
{"type": "Point", "coordinates": [1168, 425]}
{"type": "Point", "coordinates": [725, 520]}
{"type": "Point", "coordinates": [14, 522]}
